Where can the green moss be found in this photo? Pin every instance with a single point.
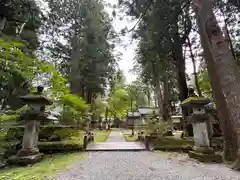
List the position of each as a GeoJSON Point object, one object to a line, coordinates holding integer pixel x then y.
{"type": "Point", "coordinates": [192, 99]}
{"type": "Point", "coordinates": [216, 157]}
{"type": "Point", "coordinates": [127, 134]}
{"type": "Point", "coordinates": [130, 138]}
{"type": "Point", "coordinates": [50, 165]}
{"type": "Point", "coordinates": [8, 117]}
{"type": "Point", "coordinates": [69, 134]}
{"type": "Point", "coordinates": [101, 136]}
{"type": "Point", "coordinates": [172, 143]}
{"type": "Point", "coordinates": [60, 146]}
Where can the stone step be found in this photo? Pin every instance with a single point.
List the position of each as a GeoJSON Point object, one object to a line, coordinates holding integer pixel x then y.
{"type": "Point", "coordinates": [116, 146]}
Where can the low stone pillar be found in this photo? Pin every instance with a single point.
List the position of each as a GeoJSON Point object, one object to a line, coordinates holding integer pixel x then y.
{"type": "Point", "coordinates": [85, 141]}
{"type": "Point", "coordinates": [29, 152]}
{"type": "Point", "coordinates": [92, 137]}
{"type": "Point", "coordinates": [30, 139]}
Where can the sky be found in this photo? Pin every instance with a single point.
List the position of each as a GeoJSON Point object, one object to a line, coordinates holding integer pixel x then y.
{"type": "Point", "coordinates": [128, 52]}
{"type": "Point", "coordinates": [126, 62]}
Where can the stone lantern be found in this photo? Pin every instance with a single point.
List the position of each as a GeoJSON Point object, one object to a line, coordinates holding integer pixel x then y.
{"type": "Point", "coordinates": [199, 121]}
{"type": "Point", "coordinates": [36, 102]}
{"type": "Point", "coordinates": [201, 129]}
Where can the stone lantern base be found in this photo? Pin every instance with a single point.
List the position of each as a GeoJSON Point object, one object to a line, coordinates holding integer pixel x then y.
{"type": "Point", "coordinates": [205, 157]}
{"type": "Point", "coordinates": [28, 152]}
{"type": "Point", "coordinates": [25, 157]}
{"type": "Point", "coordinates": [205, 150]}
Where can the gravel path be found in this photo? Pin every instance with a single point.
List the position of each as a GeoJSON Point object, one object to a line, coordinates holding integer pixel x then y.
{"type": "Point", "coordinates": [143, 165]}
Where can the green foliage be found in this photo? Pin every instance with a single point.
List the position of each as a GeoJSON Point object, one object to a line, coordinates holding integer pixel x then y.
{"type": "Point", "coordinates": [17, 62]}
{"type": "Point", "coordinates": [75, 102]}
{"type": "Point", "coordinates": [119, 102]}
{"type": "Point", "coordinates": [89, 50]}
{"type": "Point", "coordinates": [17, 71]}
{"type": "Point", "coordinates": [69, 134]}
{"type": "Point", "coordinates": [8, 117]}
{"type": "Point", "coordinates": [204, 83]}
{"type": "Point", "coordinates": [138, 93]}
{"type": "Point", "coordinates": [18, 41]}
{"type": "Point", "coordinates": [98, 106]}
{"type": "Point", "coordinates": [157, 127]}
{"type": "Point", "coordinates": [74, 108]}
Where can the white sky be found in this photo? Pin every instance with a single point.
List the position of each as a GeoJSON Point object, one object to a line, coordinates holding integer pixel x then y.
{"type": "Point", "coordinates": [126, 62]}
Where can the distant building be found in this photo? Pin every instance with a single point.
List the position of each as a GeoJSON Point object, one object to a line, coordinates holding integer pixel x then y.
{"type": "Point", "coordinates": [139, 116]}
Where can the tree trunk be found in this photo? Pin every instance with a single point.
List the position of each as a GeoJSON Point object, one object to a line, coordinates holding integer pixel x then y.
{"type": "Point", "coordinates": [2, 23]}
{"type": "Point", "coordinates": [182, 83]}
{"type": "Point", "coordinates": [149, 97]}
{"type": "Point", "coordinates": [223, 74]}
{"type": "Point", "coordinates": [166, 105]}
{"type": "Point", "coordinates": [180, 64]}
{"type": "Point", "coordinates": [155, 97]}
{"type": "Point", "coordinates": [82, 90]}
{"type": "Point", "coordinates": [74, 66]}
{"type": "Point", "coordinates": [159, 98]}
{"type": "Point", "coordinates": [165, 98]}
{"type": "Point", "coordinates": [194, 68]}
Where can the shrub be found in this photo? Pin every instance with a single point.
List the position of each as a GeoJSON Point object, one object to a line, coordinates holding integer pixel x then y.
{"type": "Point", "coordinates": [14, 134]}
{"type": "Point", "coordinates": [69, 133]}
{"type": "Point", "coordinates": [62, 146]}
{"type": "Point", "coordinates": [45, 147]}
{"type": "Point", "coordinates": [157, 127]}
{"type": "Point", "coordinates": [75, 109]}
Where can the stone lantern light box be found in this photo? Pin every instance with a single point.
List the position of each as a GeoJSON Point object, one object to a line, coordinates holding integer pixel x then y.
{"type": "Point", "coordinates": [36, 101]}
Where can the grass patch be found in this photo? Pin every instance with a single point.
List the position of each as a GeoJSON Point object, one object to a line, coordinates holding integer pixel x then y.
{"type": "Point", "coordinates": [50, 165]}
{"type": "Point", "coordinates": [127, 134]}
{"type": "Point", "coordinates": [70, 134]}
{"type": "Point", "coordinates": [101, 136]}
{"type": "Point", "coordinates": [130, 138]}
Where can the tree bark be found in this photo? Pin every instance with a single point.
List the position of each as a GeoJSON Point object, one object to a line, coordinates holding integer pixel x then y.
{"type": "Point", "coordinates": [194, 68]}
{"type": "Point", "coordinates": [165, 98]}
{"type": "Point", "coordinates": [182, 83]}
{"type": "Point", "coordinates": [166, 105]}
{"type": "Point", "coordinates": [228, 34]}
{"type": "Point", "coordinates": [159, 98]}
{"type": "Point", "coordinates": [223, 74]}
{"type": "Point", "coordinates": [74, 66]}
{"type": "Point", "coordinates": [2, 23]}
{"type": "Point", "coordinates": [180, 64]}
